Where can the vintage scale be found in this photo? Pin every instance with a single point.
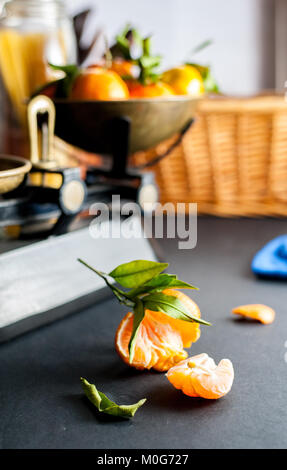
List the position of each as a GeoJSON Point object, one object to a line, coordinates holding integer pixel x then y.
{"type": "Point", "coordinates": [43, 281]}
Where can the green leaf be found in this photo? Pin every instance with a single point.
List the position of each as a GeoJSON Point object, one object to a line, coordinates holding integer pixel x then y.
{"type": "Point", "coordinates": [162, 281]}
{"type": "Point", "coordinates": [139, 314]}
{"type": "Point", "coordinates": [201, 46]}
{"type": "Point", "coordinates": [148, 62]}
{"type": "Point", "coordinates": [121, 296]}
{"type": "Point", "coordinates": [105, 405]}
{"type": "Point", "coordinates": [65, 84]}
{"type": "Point", "coordinates": [146, 46]}
{"type": "Point", "coordinates": [136, 272]}
{"type": "Point", "coordinates": [137, 37]}
{"type": "Point", "coordinates": [124, 46]}
{"type": "Point", "coordinates": [171, 306]}
{"type": "Point", "coordinates": [159, 283]}
{"type": "Point", "coordinates": [210, 84]}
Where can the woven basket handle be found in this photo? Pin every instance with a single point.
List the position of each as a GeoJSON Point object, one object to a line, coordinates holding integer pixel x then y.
{"type": "Point", "coordinates": [158, 158]}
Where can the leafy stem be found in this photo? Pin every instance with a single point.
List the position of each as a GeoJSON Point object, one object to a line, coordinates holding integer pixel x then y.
{"type": "Point", "coordinates": [120, 295]}
{"type": "Point", "coordinates": [147, 286]}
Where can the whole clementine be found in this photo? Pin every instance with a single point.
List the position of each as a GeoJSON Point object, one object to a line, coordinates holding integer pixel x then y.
{"type": "Point", "coordinates": [124, 68]}
{"type": "Point", "coordinates": [153, 90]}
{"type": "Point", "coordinates": [98, 83]}
{"type": "Point", "coordinates": [184, 80]}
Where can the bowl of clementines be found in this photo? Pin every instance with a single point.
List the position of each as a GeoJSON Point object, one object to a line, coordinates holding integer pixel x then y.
{"type": "Point", "coordinates": [97, 104]}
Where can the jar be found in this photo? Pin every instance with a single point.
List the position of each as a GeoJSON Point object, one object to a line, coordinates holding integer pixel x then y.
{"type": "Point", "coordinates": [33, 33]}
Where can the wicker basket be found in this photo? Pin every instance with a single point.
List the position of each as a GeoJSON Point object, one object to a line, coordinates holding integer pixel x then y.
{"type": "Point", "coordinates": [233, 160]}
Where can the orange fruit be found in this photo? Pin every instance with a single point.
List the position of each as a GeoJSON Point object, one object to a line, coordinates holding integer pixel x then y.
{"type": "Point", "coordinates": [160, 339]}
{"type": "Point", "coordinates": [199, 376]}
{"type": "Point", "coordinates": [98, 83]}
{"type": "Point", "coordinates": [262, 313]}
{"type": "Point", "coordinates": [184, 80]}
{"type": "Point", "coordinates": [123, 67]}
{"type": "Point", "coordinates": [153, 90]}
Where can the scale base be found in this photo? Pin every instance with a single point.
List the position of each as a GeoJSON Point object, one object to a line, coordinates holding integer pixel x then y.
{"type": "Point", "coordinates": [44, 281]}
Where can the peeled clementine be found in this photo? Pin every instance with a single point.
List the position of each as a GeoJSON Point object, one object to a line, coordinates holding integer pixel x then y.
{"type": "Point", "coordinates": [184, 80]}
{"type": "Point", "coordinates": [153, 90]}
{"type": "Point", "coordinates": [97, 83]}
{"type": "Point", "coordinates": [258, 312]}
{"type": "Point", "coordinates": [161, 339]}
{"type": "Point", "coordinates": [199, 376]}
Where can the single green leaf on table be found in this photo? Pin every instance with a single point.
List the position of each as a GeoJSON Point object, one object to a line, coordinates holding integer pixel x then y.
{"type": "Point", "coordinates": [171, 306]}
{"type": "Point", "coordinates": [138, 316]}
{"type": "Point", "coordinates": [105, 405]}
{"type": "Point", "coordinates": [137, 272]}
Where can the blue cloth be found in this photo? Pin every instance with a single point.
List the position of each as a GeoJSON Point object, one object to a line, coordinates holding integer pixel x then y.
{"type": "Point", "coordinates": [271, 260]}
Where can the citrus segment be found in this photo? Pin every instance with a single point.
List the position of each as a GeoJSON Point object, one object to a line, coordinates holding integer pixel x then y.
{"type": "Point", "coordinates": [199, 376]}
{"type": "Point", "coordinates": [262, 313]}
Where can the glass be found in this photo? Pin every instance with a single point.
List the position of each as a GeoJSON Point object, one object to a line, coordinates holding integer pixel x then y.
{"type": "Point", "coordinates": [32, 34]}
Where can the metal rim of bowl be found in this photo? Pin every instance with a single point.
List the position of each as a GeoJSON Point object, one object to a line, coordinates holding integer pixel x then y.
{"type": "Point", "coordinates": [25, 166]}
{"type": "Point", "coordinates": [161, 99]}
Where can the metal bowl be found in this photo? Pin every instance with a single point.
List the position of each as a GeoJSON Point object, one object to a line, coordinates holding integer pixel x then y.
{"type": "Point", "coordinates": [12, 172]}
{"type": "Point", "coordinates": [90, 124]}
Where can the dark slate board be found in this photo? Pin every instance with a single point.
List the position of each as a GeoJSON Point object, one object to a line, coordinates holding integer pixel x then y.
{"type": "Point", "coordinates": [42, 405]}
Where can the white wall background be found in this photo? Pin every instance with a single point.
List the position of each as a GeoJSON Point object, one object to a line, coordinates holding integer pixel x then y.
{"type": "Point", "coordinates": [242, 55]}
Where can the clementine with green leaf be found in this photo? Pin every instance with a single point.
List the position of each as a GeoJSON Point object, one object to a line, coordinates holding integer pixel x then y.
{"type": "Point", "coordinates": [163, 320]}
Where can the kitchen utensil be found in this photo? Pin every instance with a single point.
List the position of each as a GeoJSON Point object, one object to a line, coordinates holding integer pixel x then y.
{"type": "Point", "coordinates": [95, 126]}
{"type": "Point", "coordinates": [12, 172]}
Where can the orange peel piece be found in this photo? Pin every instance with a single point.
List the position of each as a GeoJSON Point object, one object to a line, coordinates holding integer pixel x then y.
{"type": "Point", "coordinates": [260, 312]}
{"type": "Point", "coordinates": [199, 376]}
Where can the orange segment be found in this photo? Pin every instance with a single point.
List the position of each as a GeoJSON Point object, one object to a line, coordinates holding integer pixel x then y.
{"type": "Point", "coordinates": [199, 376]}
{"type": "Point", "coordinates": [161, 339]}
{"type": "Point", "coordinates": [260, 312]}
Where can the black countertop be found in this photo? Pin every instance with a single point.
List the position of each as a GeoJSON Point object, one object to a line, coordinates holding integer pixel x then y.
{"type": "Point", "coordinates": [41, 400]}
